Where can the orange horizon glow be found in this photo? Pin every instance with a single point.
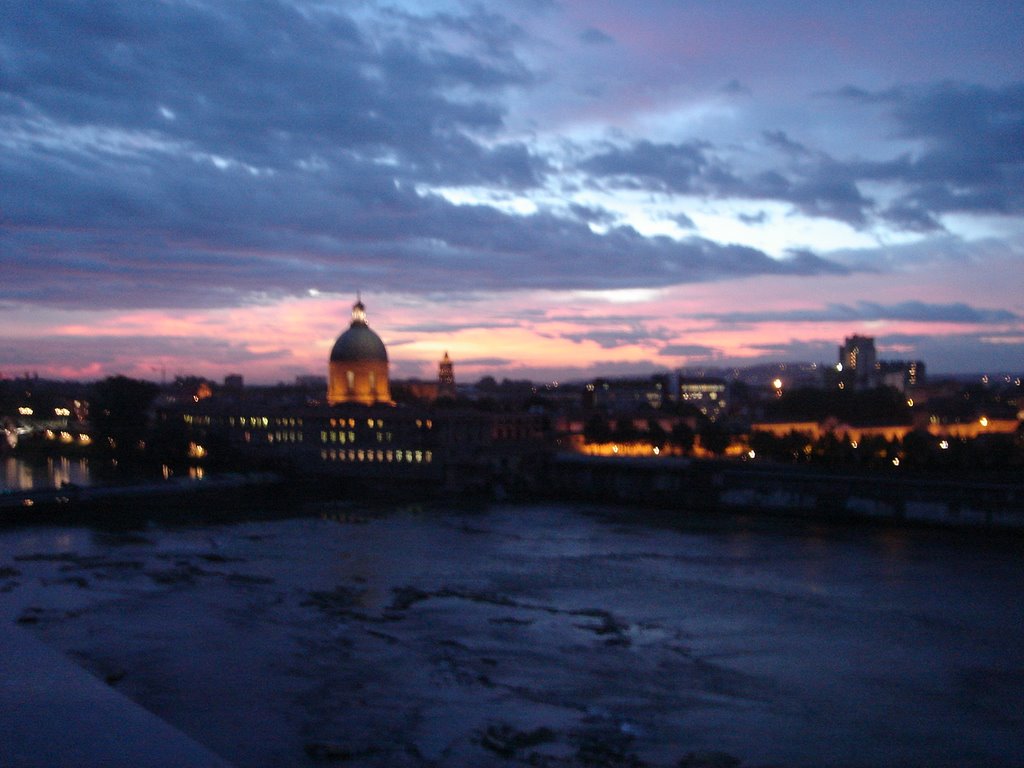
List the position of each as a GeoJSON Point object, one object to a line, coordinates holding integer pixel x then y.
{"type": "Point", "coordinates": [527, 335]}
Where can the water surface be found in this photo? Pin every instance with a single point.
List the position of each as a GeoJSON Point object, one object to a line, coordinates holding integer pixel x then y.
{"type": "Point", "coordinates": [543, 635]}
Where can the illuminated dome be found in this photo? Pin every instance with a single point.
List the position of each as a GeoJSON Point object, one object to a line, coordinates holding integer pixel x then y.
{"type": "Point", "coordinates": [358, 369]}
{"type": "Point", "coordinates": [359, 343]}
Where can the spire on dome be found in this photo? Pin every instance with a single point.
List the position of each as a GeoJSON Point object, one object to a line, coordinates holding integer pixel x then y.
{"type": "Point", "coordinates": [358, 311]}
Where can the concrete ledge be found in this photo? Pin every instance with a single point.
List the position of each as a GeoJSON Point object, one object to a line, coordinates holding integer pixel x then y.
{"type": "Point", "coordinates": [54, 713]}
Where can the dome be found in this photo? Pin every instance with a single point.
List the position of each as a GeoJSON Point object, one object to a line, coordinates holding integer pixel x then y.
{"type": "Point", "coordinates": [359, 343]}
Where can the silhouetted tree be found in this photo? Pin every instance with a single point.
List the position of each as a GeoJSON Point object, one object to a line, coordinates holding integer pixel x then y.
{"type": "Point", "coordinates": [682, 436]}
{"type": "Point", "coordinates": [596, 429]}
{"type": "Point", "coordinates": [625, 431]}
{"type": "Point", "coordinates": [714, 438]}
{"type": "Point", "coordinates": [656, 433]}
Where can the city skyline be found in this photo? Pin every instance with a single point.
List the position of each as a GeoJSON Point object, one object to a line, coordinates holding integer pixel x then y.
{"type": "Point", "coordinates": [546, 190]}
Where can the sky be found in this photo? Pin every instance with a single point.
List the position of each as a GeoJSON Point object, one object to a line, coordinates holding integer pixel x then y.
{"type": "Point", "coordinates": [545, 189]}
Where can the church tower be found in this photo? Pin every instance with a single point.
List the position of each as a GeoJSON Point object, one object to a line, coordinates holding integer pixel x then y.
{"type": "Point", "coordinates": [446, 377]}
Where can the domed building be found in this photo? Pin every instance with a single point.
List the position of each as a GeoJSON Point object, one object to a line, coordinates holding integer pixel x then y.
{"type": "Point", "coordinates": [358, 369]}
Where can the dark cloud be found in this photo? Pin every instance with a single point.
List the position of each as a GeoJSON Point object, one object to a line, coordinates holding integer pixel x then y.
{"type": "Point", "coordinates": [181, 154]}
{"type": "Point", "coordinates": [753, 218]}
{"type": "Point", "coordinates": [683, 221]}
{"type": "Point", "coordinates": [735, 88]}
{"type": "Point", "coordinates": [266, 82]}
{"type": "Point", "coordinates": [689, 350]}
{"type": "Point", "coordinates": [817, 187]}
{"type": "Point", "coordinates": [218, 235]}
{"type": "Point", "coordinates": [972, 160]}
{"type": "Point", "coordinates": [123, 352]}
{"type": "Point", "coordinates": [911, 217]}
{"type": "Point", "coordinates": [866, 311]}
{"type": "Point", "coordinates": [779, 140]}
{"type": "Point", "coordinates": [969, 352]}
{"type": "Point", "coordinates": [593, 36]}
{"type": "Point", "coordinates": [613, 339]}
{"type": "Point", "coordinates": [185, 155]}
{"type": "Point", "coordinates": [684, 168]}
{"type": "Point", "coordinates": [487, 362]}
{"type": "Point", "coordinates": [592, 214]}
{"type": "Point", "coordinates": [451, 328]}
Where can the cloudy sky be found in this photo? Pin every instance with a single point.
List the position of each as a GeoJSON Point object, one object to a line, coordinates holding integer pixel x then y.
{"type": "Point", "coordinates": [543, 188]}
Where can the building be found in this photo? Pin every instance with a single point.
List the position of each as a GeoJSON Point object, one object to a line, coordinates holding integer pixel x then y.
{"type": "Point", "coordinates": [446, 377]}
{"type": "Point", "coordinates": [361, 434]}
{"type": "Point", "coordinates": [706, 394]}
{"type": "Point", "coordinates": [858, 361]}
{"type": "Point", "coordinates": [901, 374]}
{"type": "Point", "coordinates": [627, 395]}
{"type": "Point", "coordinates": [358, 367]}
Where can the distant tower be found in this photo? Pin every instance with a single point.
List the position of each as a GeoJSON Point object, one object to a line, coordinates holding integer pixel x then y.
{"type": "Point", "coordinates": [858, 360]}
{"type": "Point", "coordinates": [446, 377]}
{"type": "Point", "coordinates": [358, 369]}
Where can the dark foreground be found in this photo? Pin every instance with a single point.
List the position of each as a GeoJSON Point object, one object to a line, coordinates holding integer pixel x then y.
{"type": "Point", "coordinates": [543, 635]}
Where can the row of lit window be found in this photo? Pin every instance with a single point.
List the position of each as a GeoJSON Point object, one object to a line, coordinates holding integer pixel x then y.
{"type": "Point", "coordinates": [280, 437]}
{"type": "Point", "coordinates": [396, 457]}
{"type": "Point", "coordinates": [350, 437]}
{"type": "Point", "coordinates": [190, 419]}
{"type": "Point", "coordinates": [257, 421]}
{"type": "Point", "coordinates": [67, 437]}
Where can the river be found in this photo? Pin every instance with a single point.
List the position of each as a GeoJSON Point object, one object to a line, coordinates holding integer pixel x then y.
{"type": "Point", "coordinates": [552, 635]}
{"type": "Point", "coordinates": [19, 474]}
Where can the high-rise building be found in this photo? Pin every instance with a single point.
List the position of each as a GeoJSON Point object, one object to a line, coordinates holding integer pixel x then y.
{"type": "Point", "coordinates": [858, 360]}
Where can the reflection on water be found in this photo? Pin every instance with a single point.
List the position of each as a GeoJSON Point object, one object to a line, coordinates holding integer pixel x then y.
{"type": "Point", "coordinates": [23, 475]}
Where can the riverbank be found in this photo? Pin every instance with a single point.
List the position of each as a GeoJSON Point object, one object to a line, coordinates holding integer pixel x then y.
{"type": "Point", "coordinates": [780, 490]}
{"type": "Point", "coordinates": [127, 503]}
{"type": "Point", "coordinates": [665, 483]}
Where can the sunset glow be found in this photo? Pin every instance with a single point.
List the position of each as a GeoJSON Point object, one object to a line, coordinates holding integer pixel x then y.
{"type": "Point", "coordinates": [544, 191]}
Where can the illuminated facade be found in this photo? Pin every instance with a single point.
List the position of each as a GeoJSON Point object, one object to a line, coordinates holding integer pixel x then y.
{"type": "Point", "coordinates": [705, 394]}
{"type": "Point", "coordinates": [358, 367]}
{"type": "Point", "coordinates": [346, 440]}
